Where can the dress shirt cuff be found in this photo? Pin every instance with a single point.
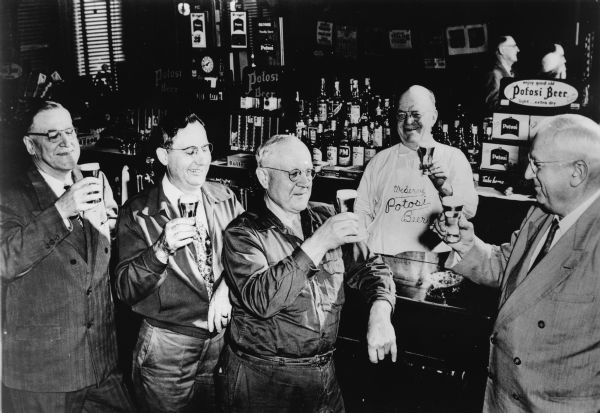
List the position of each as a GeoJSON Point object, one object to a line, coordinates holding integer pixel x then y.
{"type": "Point", "coordinates": [304, 262]}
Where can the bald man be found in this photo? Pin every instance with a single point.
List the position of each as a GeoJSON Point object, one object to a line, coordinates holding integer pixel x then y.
{"type": "Point", "coordinates": [396, 201]}
{"type": "Point", "coordinates": [545, 347]}
{"type": "Point", "coordinates": [286, 265]}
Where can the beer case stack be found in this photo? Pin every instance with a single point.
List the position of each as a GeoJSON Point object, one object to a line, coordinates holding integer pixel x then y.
{"type": "Point", "coordinates": [524, 103]}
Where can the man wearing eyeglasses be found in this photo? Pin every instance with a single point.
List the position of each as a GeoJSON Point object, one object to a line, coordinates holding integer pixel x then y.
{"type": "Point", "coordinates": [505, 56]}
{"type": "Point", "coordinates": [396, 200]}
{"type": "Point", "coordinates": [169, 271]}
{"type": "Point", "coordinates": [545, 346]}
{"type": "Point", "coordinates": [59, 342]}
{"type": "Point", "coordinates": [286, 265]}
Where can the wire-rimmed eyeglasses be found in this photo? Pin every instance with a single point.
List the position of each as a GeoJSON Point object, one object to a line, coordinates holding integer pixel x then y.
{"type": "Point", "coordinates": [535, 165]}
{"type": "Point", "coordinates": [194, 150]}
{"type": "Point", "coordinates": [294, 174]}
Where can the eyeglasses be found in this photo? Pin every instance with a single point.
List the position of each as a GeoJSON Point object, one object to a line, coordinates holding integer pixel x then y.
{"type": "Point", "coordinates": [194, 150]}
{"type": "Point", "coordinates": [535, 165]}
{"type": "Point", "coordinates": [52, 135]}
{"type": "Point", "coordinates": [402, 116]}
{"type": "Point", "coordinates": [294, 174]}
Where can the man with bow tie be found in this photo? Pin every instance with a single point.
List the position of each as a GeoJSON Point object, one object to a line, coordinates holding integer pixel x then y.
{"type": "Point", "coordinates": [59, 341]}
{"type": "Point", "coordinates": [170, 268]}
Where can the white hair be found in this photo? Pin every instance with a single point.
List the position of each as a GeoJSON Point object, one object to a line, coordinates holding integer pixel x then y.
{"type": "Point", "coordinates": [267, 148]}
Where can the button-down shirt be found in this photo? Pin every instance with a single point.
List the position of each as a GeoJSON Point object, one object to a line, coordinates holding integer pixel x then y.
{"type": "Point", "coordinates": [282, 304]}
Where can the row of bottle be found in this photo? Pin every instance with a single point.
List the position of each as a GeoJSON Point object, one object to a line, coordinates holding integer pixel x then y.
{"type": "Point", "coordinates": [347, 145]}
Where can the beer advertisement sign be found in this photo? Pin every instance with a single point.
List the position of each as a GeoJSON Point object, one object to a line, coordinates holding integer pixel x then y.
{"type": "Point", "coordinates": [198, 21]}
{"type": "Point", "coordinates": [540, 93]}
{"type": "Point", "coordinates": [499, 157]}
{"type": "Point", "coordinates": [510, 126]}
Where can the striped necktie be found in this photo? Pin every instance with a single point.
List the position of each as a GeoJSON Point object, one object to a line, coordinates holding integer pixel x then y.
{"type": "Point", "coordinates": [203, 246]}
{"type": "Point", "coordinates": [547, 244]}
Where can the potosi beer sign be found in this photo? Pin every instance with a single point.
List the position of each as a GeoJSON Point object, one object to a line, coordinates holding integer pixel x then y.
{"type": "Point", "coordinates": [541, 93]}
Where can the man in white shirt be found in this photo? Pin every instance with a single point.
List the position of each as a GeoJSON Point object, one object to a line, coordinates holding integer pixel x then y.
{"type": "Point", "coordinates": [170, 269]}
{"type": "Point", "coordinates": [396, 200]}
{"type": "Point", "coordinates": [545, 348]}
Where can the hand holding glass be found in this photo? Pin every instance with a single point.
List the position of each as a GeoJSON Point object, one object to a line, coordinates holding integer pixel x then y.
{"type": "Point", "coordinates": [452, 212]}
{"type": "Point", "coordinates": [426, 158]}
{"type": "Point", "coordinates": [91, 170]}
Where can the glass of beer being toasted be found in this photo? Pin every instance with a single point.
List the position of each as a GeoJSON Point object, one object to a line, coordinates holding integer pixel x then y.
{"type": "Point", "coordinates": [91, 170]}
{"type": "Point", "coordinates": [452, 211]}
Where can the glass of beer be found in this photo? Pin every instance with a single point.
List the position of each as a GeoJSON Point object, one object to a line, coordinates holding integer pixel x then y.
{"type": "Point", "coordinates": [188, 205]}
{"type": "Point", "coordinates": [345, 200]}
{"type": "Point", "coordinates": [452, 211]}
{"type": "Point", "coordinates": [91, 170]}
{"type": "Point", "coordinates": [426, 158]}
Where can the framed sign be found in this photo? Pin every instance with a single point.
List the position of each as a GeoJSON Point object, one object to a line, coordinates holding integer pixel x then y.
{"type": "Point", "coordinates": [198, 22]}
{"type": "Point", "coordinates": [400, 39]}
{"type": "Point", "coordinates": [239, 30]}
{"type": "Point", "coordinates": [325, 33]}
{"type": "Point", "coordinates": [467, 39]}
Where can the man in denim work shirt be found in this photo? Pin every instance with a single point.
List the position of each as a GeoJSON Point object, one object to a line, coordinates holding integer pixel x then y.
{"type": "Point", "coordinates": [286, 265]}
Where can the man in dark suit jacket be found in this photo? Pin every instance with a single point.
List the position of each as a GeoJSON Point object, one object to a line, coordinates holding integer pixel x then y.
{"type": "Point", "coordinates": [545, 348]}
{"type": "Point", "coordinates": [505, 54]}
{"type": "Point", "coordinates": [59, 345]}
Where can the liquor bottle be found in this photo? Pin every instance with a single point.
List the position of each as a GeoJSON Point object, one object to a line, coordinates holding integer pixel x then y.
{"type": "Point", "coordinates": [344, 151]}
{"type": "Point", "coordinates": [337, 103]}
{"type": "Point", "coordinates": [460, 141]}
{"type": "Point", "coordinates": [445, 139]}
{"type": "Point", "coordinates": [487, 137]}
{"type": "Point", "coordinates": [474, 150]}
{"type": "Point", "coordinates": [370, 149]}
{"type": "Point", "coordinates": [358, 151]}
{"type": "Point", "coordinates": [387, 127]}
{"type": "Point", "coordinates": [332, 149]}
{"type": "Point", "coordinates": [322, 102]}
{"type": "Point", "coordinates": [312, 132]}
{"type": "Point", "coordinates": [363, 127]}
{"type": "Point", "coordinates": [378, 126]}
{"type": "Point", "coordinates": [317, 145]}
{"type": "Point", "coordinates": [437, 132]}
{"type": "Point", "coordinates": [355, 104]}
{"type": "Point", "coordinates": [366, 96]}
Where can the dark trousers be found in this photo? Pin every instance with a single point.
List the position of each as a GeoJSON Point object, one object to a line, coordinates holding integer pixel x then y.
{"type": "Point", "coordinates": [110, 396]}
{"type": "Point", "coordinates": [173, 372]}
{"type": "Point", "coordinates": [250, 384]}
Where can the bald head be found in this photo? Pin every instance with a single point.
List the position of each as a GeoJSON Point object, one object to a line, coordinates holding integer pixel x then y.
{"type": "Point", "coordinates": [573, 136]}
{"type": "Point", "coordinates": [419, 93]}
{"type": "Point", "coordinates": [277, 147]}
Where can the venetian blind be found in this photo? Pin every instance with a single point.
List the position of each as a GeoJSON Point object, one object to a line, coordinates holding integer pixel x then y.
{"type": "Point", "coordinates": [98, 35]}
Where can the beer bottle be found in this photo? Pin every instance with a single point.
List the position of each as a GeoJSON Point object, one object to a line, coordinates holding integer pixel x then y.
{"type": "Point", "coordinates": [337, 102]}
{"type": "Point", "coordinates": [355, 104]}
{"type": "Point", "coordinates": [317, 145]}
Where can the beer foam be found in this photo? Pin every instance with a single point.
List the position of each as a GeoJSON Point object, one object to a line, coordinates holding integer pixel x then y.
{"type": "Point", "coordinates": [343, 194]}
{"type": "Point", "coordinates": [91, 166]}
{"type": "Point", "coordinates": [452, 202]}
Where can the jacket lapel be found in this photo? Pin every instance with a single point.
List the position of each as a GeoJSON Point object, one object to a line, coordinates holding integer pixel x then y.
{"type": "Point", "coordinates": [554, 268]}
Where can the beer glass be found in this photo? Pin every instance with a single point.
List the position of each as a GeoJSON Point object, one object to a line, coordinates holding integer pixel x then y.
{"type": "Point", "coordinates": [345, 200]}
{"type": "Point", "coordinates": [91, 170]}
{"type": "Point", "coordinates": [426, 158]}
{"type": "Point", "coordinates": [188, 205]}
{"type": "Point", "coordinates": [452, 211]}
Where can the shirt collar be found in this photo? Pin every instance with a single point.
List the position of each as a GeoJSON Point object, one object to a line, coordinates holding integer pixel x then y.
{"type": "Point", "coordinates": [280, 213]}
{"type": "Point", "coordinates": [427, 141]}
{"type": "Point", "coordinates": [57, 186]}
{"type": "Point", "coordinates": [574, 215]}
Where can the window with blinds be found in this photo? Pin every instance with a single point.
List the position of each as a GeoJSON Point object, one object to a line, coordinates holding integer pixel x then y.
{"type": "Point", "coordinates": [98, 35]}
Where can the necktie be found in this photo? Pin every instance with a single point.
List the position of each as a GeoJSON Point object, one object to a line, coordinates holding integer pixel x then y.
{"type": "Point", "coordinates": [76, 218]}
{"type": "Point", "coordinates": [547, 244]}
{"type": "Point", "coordinates": [203, 248]}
